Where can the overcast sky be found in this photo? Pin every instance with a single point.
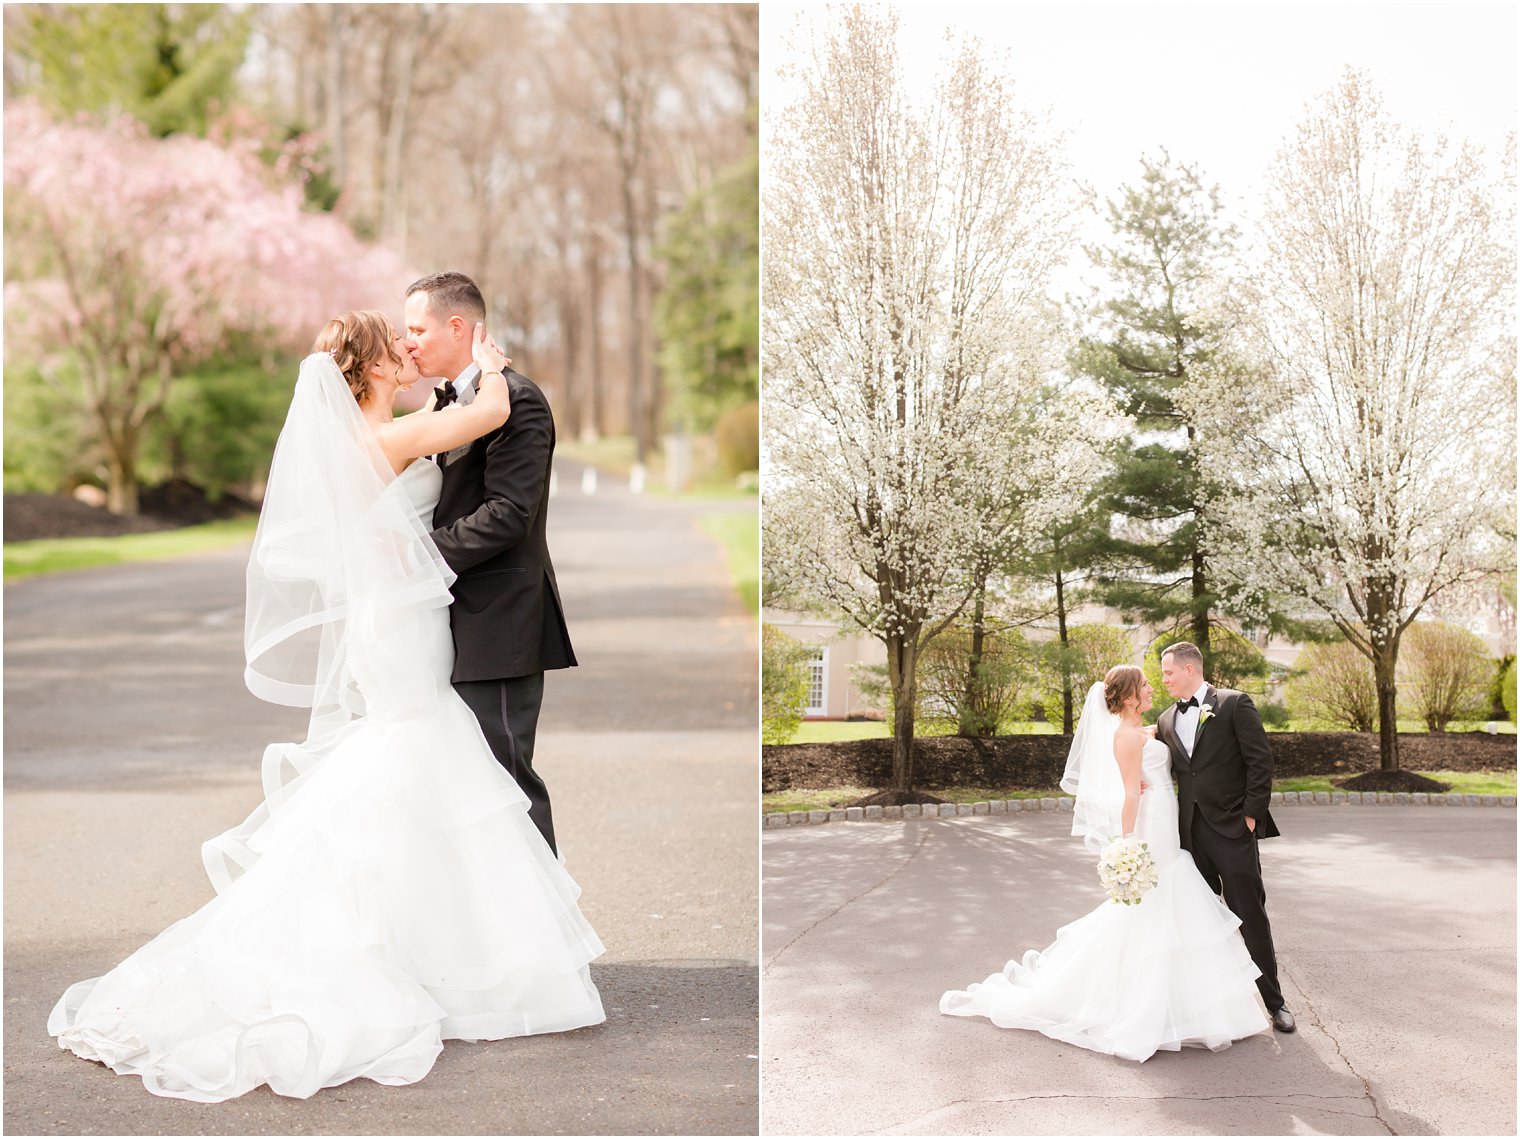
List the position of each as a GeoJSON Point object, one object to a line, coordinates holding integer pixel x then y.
{"type": "Point", "coordinates": [1216, 83]}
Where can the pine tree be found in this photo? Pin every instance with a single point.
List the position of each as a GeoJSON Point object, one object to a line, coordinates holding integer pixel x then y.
{"type": "Point", "coordinates": [1155, 330]}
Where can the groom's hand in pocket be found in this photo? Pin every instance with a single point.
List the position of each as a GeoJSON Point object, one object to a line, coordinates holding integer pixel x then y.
{"type": "Point", "coordinates": [1250, 824]}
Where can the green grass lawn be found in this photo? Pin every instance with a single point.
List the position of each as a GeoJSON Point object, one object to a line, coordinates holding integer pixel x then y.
{"type": "Point", "coordinates": [738, 532]}
{"type": "Point", "coordinates": [803, 799]}
{"type": "Point", "coordinates": [49, 555]}
{"type": "Point", "coordinates": [1407, 727]}
{"type": "Point", "coordinates": [615, 455]}
{"type": "Point", "coordinates": [821, 799]}
{"type": "Point", "coordinates": [836, 731]}
{"type": "Point", "coordinates": [1462, 782]}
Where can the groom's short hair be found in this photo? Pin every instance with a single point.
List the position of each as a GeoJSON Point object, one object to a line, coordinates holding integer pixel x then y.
{"type": "Point", "coordinates": [1184, 653]}
{"type": "Point", "coordinates": [451, 292]}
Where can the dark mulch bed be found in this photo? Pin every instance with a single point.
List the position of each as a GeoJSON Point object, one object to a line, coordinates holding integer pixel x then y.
{"type": "Point", "coordinates": [896, 799]}
{"type": "Point", "coordinates": [174, 504]}
{"type": "Point", "coordinates": [1392, 781]}
{"type": "Point", "coordinates": [1035, 762]}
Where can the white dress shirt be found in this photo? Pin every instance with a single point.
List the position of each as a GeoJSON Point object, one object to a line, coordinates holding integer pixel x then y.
{"type": "Point", "coordinates": [464, 383]}
{"type": "Point", "coordinates": [1185, 723]}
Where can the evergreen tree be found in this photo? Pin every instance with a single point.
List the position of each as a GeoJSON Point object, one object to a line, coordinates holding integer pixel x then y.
{"type": "Point", "coordinates": [170, 66]}
{"type": "Point", "coordinates": [1170, 241]}
{"type": "Point", "coordinates": [708, 313]}
{"type": "Point", "coordinates": [1065, 564]}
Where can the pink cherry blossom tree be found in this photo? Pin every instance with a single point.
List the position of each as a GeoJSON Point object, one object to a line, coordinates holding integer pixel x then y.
{"type": "Point", "coordinates": [132, 259]}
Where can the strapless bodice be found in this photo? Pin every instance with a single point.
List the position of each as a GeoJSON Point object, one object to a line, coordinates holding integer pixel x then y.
{"type": "Point", "coordinates": [1156, 762]}
{"type": "Point", "coordinates": [1157, 820]}
{"type": "Point", "coordinates": [420, 483]}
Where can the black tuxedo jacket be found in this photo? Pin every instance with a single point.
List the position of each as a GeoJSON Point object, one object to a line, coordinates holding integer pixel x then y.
{"type": "Point", "coordinates": [1229, 774]}
{"type": "Point", "coordinates": [489, 525]}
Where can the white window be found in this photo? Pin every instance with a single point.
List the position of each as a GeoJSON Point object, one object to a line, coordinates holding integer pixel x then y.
{"type": "Point", "coordinates": [818, 672]}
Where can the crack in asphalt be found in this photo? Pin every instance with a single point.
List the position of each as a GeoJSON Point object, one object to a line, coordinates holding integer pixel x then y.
{"type": "Point", "coordinates": [1284, 1099]}
{"type": "Point", "coordinates": [1314, 1018]}
{"type": "Point", "coordinates": [849, 902]}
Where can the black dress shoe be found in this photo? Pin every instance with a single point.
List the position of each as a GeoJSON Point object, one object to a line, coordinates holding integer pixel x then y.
{"type": "Point", "coordinates": [1283, 1021]}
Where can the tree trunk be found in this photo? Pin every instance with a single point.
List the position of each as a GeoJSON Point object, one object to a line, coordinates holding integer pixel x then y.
{"type": "Point", "coordinates": [393, 183]}
{"type": "Point", "coordinates": [570, 331]}
{"type": "Point", "coordinates": [636, 415]}
{"type": "Point", "coordinates": [902, 671]}
{"type": "Point", "coordinates": [121, 486]}
{"type": "Point", "coordinates": [595, 428]}
{"type": "Point", "coordinates": [1385, 657]}
{"type": "Point", "coordinates": [1200, 611]}
{"type": "Point", "coordinates": [1067, 712]}
{"type": "Point", "coordinates": [333, 93]}
{"type": "Point", "coordinates": [972, 725]}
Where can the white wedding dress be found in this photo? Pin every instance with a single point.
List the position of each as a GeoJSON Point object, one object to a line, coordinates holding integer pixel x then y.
{"type": "Point", "coordinates": [1130, 981]}
{"type": "Point", "coordinates": [393, 895]}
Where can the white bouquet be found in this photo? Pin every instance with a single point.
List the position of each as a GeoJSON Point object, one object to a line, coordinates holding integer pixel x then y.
{"type": "Point", "coordinates": [1126, 870]}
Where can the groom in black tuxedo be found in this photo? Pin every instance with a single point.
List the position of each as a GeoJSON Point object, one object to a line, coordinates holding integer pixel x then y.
{"type": "Point", "coordinates": [1224, 784]}
{"type": "Point", "coordinates": [489, 524]}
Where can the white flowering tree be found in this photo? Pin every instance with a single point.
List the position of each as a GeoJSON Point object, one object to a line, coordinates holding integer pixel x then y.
{"type": "Point", "coordinates": [1379, 467]}
{"type": "Point", "coordinates": [907, 341]}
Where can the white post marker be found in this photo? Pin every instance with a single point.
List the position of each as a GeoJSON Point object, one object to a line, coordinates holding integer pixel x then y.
{"type": "Point", "coordinates": [588, 481]}
{"type": "Point", "coordinates": [636, 479]}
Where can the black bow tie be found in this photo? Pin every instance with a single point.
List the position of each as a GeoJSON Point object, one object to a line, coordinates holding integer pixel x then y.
{"type": "Point", "coordinates": [446, 395]}
{"type": "Point", "coordinates": [1184, 705]}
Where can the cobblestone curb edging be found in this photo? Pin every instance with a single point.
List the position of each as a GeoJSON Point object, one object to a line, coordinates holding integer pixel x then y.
{"type": "Point", "coordinates": [776, 819]}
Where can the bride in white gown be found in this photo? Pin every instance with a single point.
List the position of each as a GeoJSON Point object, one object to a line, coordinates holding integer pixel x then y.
{"type": "Point", "coordinates": [1129, 980]}
{"type": "Point", "coordinates": [390, 892]}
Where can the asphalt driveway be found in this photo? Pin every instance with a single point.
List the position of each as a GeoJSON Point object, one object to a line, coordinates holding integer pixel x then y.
{"type": "Point", "coordinates": [1395, 932]}
{"type": "Point", "coordinates": [129, 739]}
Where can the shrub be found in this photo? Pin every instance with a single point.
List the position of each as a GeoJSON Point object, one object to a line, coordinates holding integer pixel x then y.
{"type": "Point", "coordinates": [1274, 715]}
{"type": "Point", "coordinates": [738, 434]}
{"type": "Point", "coordinates": [220, 425]}
{"type": "Point", "coordinates": [783, 684]}
{"type": "Point", "coordinates": [1333, 683]}
{"type": "Point", "coordinates": [48, 445]}
{"type": "Point", "coordinates": [1444, 671]}
{"type": "Point", "coordinates": [1232, 662]}
{"type": "Point", "coordinates": [1501, 703]}
{"type": "Point", "coordinates": [1507, 688]}
{"type": "Point", "coordinates": [1090, 651]}
{"type": "Point", "coordinates": [1005, 679]}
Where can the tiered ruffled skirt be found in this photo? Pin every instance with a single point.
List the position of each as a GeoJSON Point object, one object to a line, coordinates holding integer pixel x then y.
{"type": "Point", "coordinates": [1130, 981]}
{"type": "Point", "coordinates": [394, 895]}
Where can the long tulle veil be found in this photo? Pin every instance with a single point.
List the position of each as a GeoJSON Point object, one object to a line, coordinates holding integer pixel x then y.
{"type": "Point", "coordinates": [1092, 774]}
{"type": "Point", "coordinates": [337, 558]}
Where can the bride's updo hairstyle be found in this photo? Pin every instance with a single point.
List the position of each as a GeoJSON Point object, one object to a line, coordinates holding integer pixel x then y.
{"type": "Point", "coordinates": [1120, 683]}
{"type": "Point", "coordinates": [356, 340]}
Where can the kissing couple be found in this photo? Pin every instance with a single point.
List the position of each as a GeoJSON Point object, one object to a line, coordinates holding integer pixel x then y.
{"type": "Point", "coordinates": [399, 885]}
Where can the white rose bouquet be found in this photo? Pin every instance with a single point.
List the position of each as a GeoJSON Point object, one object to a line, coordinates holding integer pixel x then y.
{"type": "Point", "coordinates": [1126, 870]}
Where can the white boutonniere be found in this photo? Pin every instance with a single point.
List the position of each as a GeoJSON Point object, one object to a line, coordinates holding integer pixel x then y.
{"type": "Point", "coordinates": [1205, 714]}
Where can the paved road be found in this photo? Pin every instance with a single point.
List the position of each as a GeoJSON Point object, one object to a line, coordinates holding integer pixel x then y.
{"type": "Point", "coordinates": [1395, 932]}
{"type": "Point", "coordinates": [129, 739]}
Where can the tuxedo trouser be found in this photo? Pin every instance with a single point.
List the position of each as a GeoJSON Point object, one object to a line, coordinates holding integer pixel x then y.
{"type": "Point", "coordinates": [1232, 866]}
{"type": "Point", "coordinates": [508, 715]}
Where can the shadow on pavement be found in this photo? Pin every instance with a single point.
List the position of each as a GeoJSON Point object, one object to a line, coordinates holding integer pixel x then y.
{"type": "Point", "coordinates": [677, 1054]}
